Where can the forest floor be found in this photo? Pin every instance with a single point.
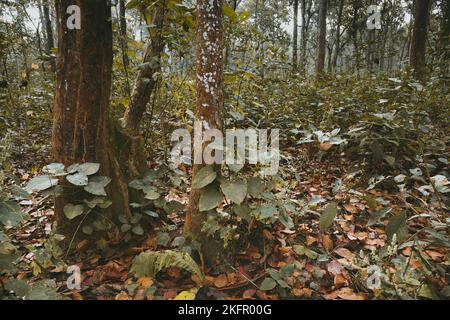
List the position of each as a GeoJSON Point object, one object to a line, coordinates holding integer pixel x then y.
{"type": "Point", "coordinates": [356, 257]}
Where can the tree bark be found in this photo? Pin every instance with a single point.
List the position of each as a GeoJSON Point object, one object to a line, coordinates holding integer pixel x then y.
{"type": "Point", "coordinates": [419, 37]}
{"type": "Point", "coordinates": [209, 96]}
{"type": "Point", "coordinates": [145, 81]}
{"type": "Point", "coordinates": [321, 41]}
{"type": "Point", "coordinates": [82, 130]}
{"type": "Point", "coordinates": [124, 44]}
{"type": "Point", "coordinates": [295, 38]}
{"type": "Point", "coordinates": [50, 43]}
{"type": "Point", "coordinates": [338, 36]}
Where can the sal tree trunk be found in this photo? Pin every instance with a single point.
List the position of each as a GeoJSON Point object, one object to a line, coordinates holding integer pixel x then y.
{"type": "Point", "coordinates": [209, 97]}
{"type": "Point", "coordinates": [295, 38]}
{"type": "Point", "coordinates": [50, 44]}
{"type": "Point", "coordinates": [81, 124]}
{"type": "Point", "coordinates": [320, 62]}
{"type": "Point", "coordinates": [419, 37]}
{"type": "Point", "coordinates": [338, 36]}
{"type": "Point", "coordinates": [145, 82]}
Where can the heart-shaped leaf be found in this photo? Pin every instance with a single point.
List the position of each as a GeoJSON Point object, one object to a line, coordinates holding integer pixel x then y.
{"type": "Point", "coordinates": [72, 211]}
{"type": "Point", "coordinates": [210, 198]}
{"type": "Point", "coordinates": [204, 177]}
{"type": "Point", "coordinates": [235, 191]}
{"type": "Point", "coordinates": [328, 216]}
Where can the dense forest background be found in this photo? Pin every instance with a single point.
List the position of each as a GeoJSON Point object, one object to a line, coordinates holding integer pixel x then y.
{"type": "Point", "coordinates": [92, 207]}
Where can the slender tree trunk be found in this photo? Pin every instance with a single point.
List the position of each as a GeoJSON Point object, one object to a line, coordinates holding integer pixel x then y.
{"type": "Point", "coordinates": [321, 41]}
{"type": "Point", "coordinates": [295, 38]}
{"type": "Point", "coordinates": [124, 44]}
{"type": "Point", "coordinates": [419, 37]}
{"type": "Point", "coordinates": [145, 81]}
{"type": "Point", "coordinates": [338, 36]}
{"type": "Point", "coordinates": [209, 97]}
{"type": "Point", "coordinates": [445, 36]}
{"type": "Point", "coordinates": [50, 44]}
{"type": "Point", "coordinates": [81, 125]}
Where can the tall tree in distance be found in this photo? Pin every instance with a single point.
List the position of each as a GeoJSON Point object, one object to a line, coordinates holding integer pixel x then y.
{"type": "Point", "coordinates": [50, 43]}
{"type": "Point", "coordinates": [81, 122]}
{"type": "Point", "coordinates": [295, 38]}
{"type": "Point", "coordinates": [419, 37]}
{"type": "Point", "coordinates": [338, 36]}
{"type": "Point", "coordinates": [321, 40]}
{"type": "Point", "coordinates": [145, 81]}
{"type": "Point", "coordinates": [209, 96]}
{"type": "Point", "coordinates": [124, 44]}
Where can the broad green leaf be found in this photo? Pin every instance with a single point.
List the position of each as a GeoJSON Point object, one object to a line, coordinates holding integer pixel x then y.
{"type": "Point", "coordinates": [11, 214]}
{"type": "Point", "coordinates": [72, 211]}
{"type": "Point", "coordinates": [255, 186]}
{"type": "Point", "coordinates": [268, 284]}
{"type": "Point", "coordinates": [40, 183]}
{"type": "Point", "coordinates": [204, 177]}
{"type": "Point", "coordinates": [210, 198]}
{"type": "Point", "coordinates": [96, 189]}
{"type": "Point", "coordinates": [235, 191]}
{"type": "Point", "coordinates": [304, 251]}
{"type": "Point", "coordinates": [78, 179]}
{"type": "Point", "coordinates": [328, 216]}
{"type": "Point", "coordinates": [138, 230]}
{"type": "Point", "coordinates": [397, 225]}
{"type": "Point", "coordinates": [268, 212]}
{"type": "Point", "coordinates": [89, 168]}
{"type": "Point", "coordinates": [55, 169]}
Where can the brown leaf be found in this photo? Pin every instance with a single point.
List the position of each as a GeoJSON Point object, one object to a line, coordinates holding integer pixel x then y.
{"type": "Point", "coordinates": [249, 293]}
{"type": "Point", "coordinates": [221, 281]}
{"type": "Point", "coordinates": [334, 267]}
{"type": "Point", "coordinates": [345, 253]}
{"type": "Point", "coordinates": [145, 282]}
{"type": "Point", "coordinates": [327, 242]}
{"type": "Point", "coordinates": [122, 296]}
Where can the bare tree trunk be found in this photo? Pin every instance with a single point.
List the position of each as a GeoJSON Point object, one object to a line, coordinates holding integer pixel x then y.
{"type": "Point", "coordinates": [295, 38]}
{"type": "Point", "coordinates": [124, 44]}
{"type": "Point", "coordinates": [321, 41]}
{"type": "Point", "coordinates": [50, 44]}
{"type": "Point", "coordinates": [81, 125]}
{"type": "Point", "coordinates": [338, 36]}
{"type": "Point", "coordinates": [145, 81]}
{"type": "Point", "coordinates": [419, 37]}
{"type": "Point", "coordinates": [210, 95]}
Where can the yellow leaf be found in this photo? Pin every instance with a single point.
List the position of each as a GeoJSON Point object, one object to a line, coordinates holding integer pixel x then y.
{"type": "Point", "coordinates": [185, 295]}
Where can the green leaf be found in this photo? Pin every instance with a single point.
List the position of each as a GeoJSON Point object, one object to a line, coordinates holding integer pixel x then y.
{"type": "Point", "coordinates": [78, 179]}
{"type": "Point", "coordinates": [268, 212]}
{"type": "Point", "coordinates": [11, 214]}
{"type": "Point", "coordinates": [54, 169]}
{"type": "Point", "coordinates": [148, 264]}
{"type": "Point", "coordinates": [95, 188]}
{"type": "Point", "coordinates": [230, 13]}
{"type": "Point", "coordinates": [89, 168]}
{"type": "Point", "coordinates": [255, 186]}
{"type": "Point", "coordinates": [204, 177]}
{"type": "Point", "coordinates": [304, 251]}
{"type": "Point", "coordinates": [328, 216]}
{"type": "Point", "coordinates": [87, 230]}
{"type": "Point", "coordinates": [235, 191]}
{"type": "Point", "coordinates": [162, 238]}
{"type": "Point", "coordinates": [72, 211]}
{"type": "Point", "coordinates": [268, 284]}
{"type": "Point", "coordinates": [210, 198]}
{"type": "Point", "coordinates": [152, 195]}
{"type": "Point", "coordinates": [390, 160]}
{"type": "Point", "coordinates": [19, 192]}
{"type": "Point", "coordinates": [397, 225]}
{"type": "Point", "coordinates": [138, 230]}
{"type": "Point", "coordinates": [40, 183]}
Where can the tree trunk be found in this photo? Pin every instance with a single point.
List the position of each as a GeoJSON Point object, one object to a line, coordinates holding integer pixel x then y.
{"type": "Point", "coordinates": [82, 130]}
{"type": "Point", "coordinates": [321, 41]}
{"type": "Point", "coordinates": [419, 37]}
{"type": "Point", "coordinates": [445, 35]}
{"type": "Point", "coordinates": [209, 97]}
{"type": "Point", "coordinates": [295, 38]}
{"type": "Point", "coordinates": [338, 36]}
{"type": "Point", "coordinates": [124, 44]}
{"type": "Point", "coordinates": [145, 81]}
{"type": "Point", "coordinates": [50, 44]}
